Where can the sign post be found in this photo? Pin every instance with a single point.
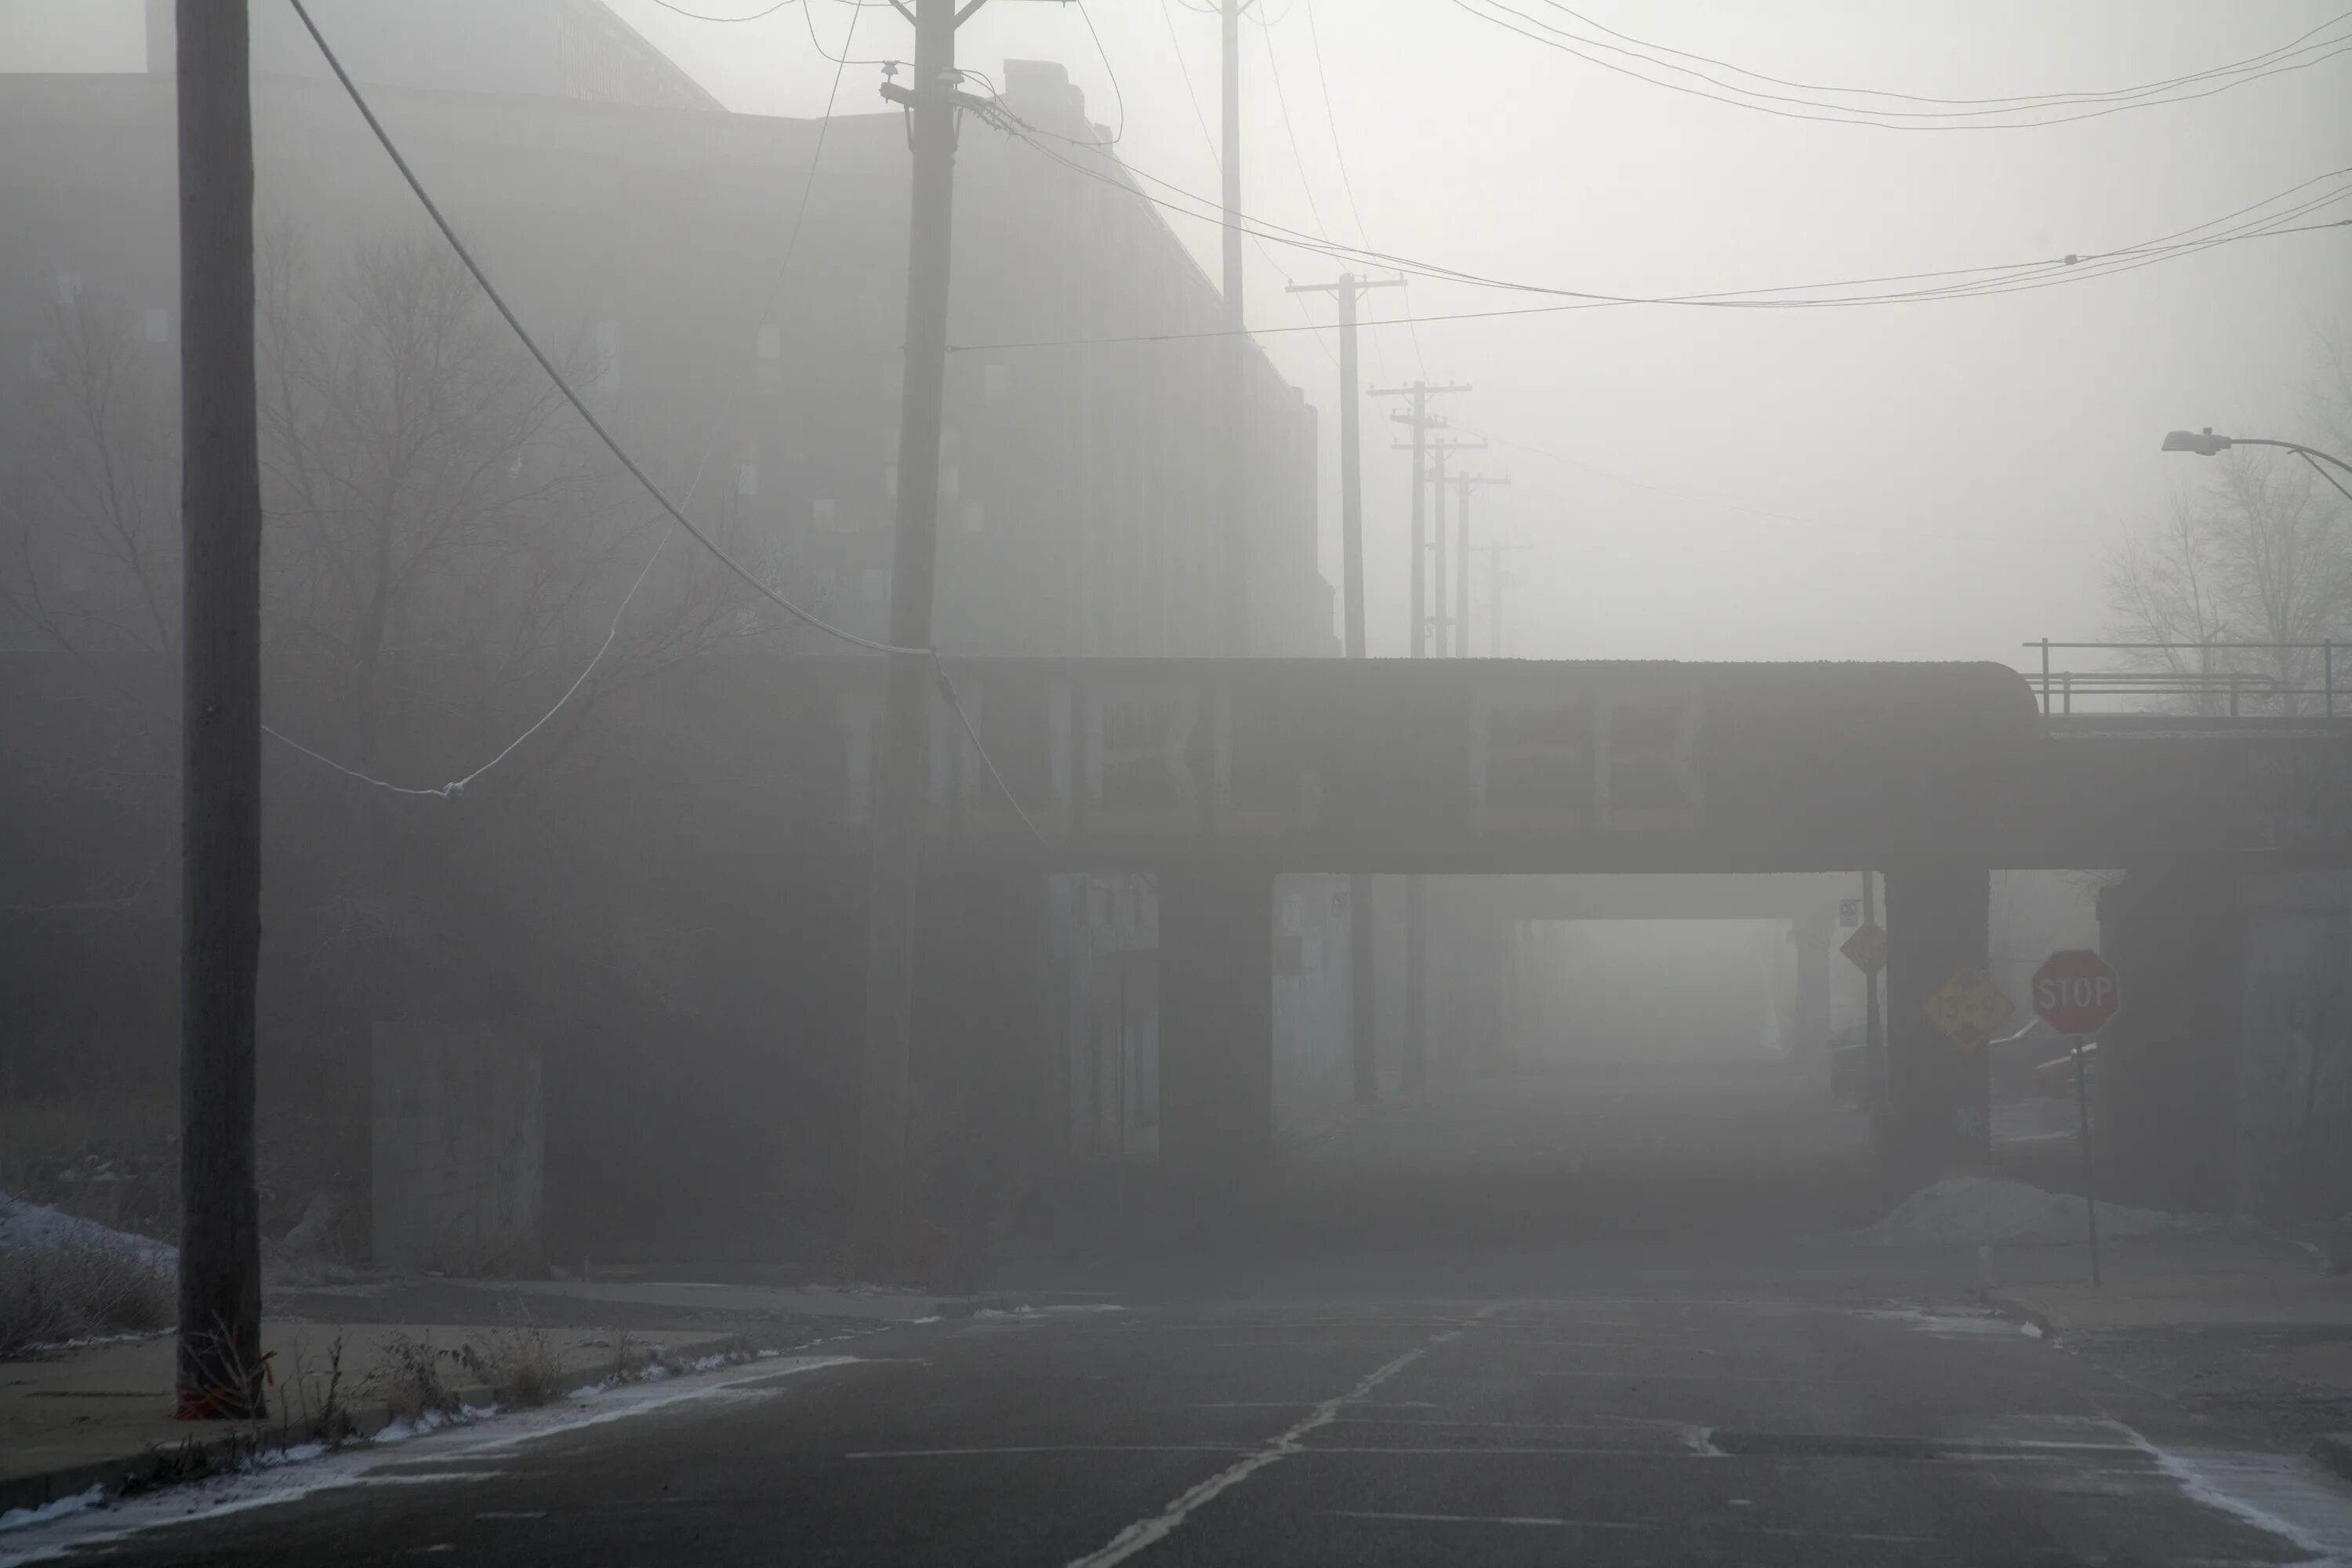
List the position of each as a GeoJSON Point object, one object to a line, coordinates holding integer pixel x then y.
{"type": "Point", "coordinates": [2076, 992]}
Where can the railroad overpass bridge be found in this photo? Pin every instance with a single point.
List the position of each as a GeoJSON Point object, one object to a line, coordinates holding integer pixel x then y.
{"type": "Point", "coordinates": [1218, 775]}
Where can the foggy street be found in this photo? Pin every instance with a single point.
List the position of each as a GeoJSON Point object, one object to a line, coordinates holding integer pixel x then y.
{"type": "Point", "coordinates": [1211, 782]}
{"type": "Point", "coordinates": [1660, 1396]}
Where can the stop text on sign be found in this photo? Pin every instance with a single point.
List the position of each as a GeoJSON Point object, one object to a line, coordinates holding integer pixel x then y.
{"type": "Point", "coordinates": [2076, 992]}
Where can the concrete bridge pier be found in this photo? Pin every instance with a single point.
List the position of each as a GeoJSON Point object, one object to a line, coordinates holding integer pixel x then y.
{"type": "Point", "coordinates": [1815, 928]}
{"type": "Point", "coordinates": [1216, 1028]}
{"type": "Point", "coordinates": [1940, 1097]}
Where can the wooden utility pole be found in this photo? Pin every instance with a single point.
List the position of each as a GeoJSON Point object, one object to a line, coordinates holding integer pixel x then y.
{"type": "Point", "coordinates": [1463, 485]}
{"type": "Point", "coordinates": [932, 102]}
{"type": "Point", "coordinates": [1363, 1041]}
{"type": "Point", "coordinates": [219, 1361]}
{"type": "Point", "coordinates": [1234, 360]}
{"type": "Point", "coordinates": [1414, 1052]}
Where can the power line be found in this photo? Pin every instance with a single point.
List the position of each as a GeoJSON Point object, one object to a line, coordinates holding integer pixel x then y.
{"type": "Point", "coordinates": [2076, 263]}
{"type": "Point", "coordinates": [1851, 115]}
{"type": "Point", "coordinates": [1339, 155]}
{"type": "Point", "coordinates": [673, 5]}
{"type": "Point", "coordinates": [1916, 296]}
{"type": "Point", "coordinates": [2026, 100]}
{"type": "Point", "coordinates": [562, 384]}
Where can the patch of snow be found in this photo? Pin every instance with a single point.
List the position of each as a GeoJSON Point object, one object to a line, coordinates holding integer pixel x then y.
{"type": "Point", "coordinates": [18, 1518]}
{"type": "Point", "coordinates": [364, 1464]}
{"type": "Point", "coordinates": [1961, 1211]}
{"type": "Point", "coordinates": [39, 1228]}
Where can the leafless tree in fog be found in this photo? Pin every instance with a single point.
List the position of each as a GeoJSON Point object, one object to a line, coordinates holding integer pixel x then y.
{"type": "Point", "coordinates": [92, 510]}
{"type": "Point", "coordinates": [2260, 552]}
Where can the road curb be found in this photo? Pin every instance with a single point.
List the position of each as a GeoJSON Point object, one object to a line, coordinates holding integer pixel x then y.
{"type": "Point", "coordinates": [224, 1452]}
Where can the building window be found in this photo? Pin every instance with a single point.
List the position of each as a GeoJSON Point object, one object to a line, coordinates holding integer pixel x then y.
{"type": "Point", "coordinates": [69, 288]}
{"type": "Point", "coordinates": [828, 581]}
{"type": "Point", "coordinates": [975, 517]}
{"type": "Point", "coordinates": [995, 380]}
{"type": "Point", "coordinates": [608, 356]}
{"type": "Point", "coordinates": [825, 514]}
{"type": "Point", "coordinates": [873, 585]}
{"type": "Point", "coordinates": [747, 479]}
{"type": "Point", "coordinates": [158, 324]}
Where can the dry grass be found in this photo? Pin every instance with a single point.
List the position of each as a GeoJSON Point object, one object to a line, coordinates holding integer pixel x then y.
{"type": "Point", "coordinates": [77, 1286]}
{"type": "Point", "coordinates": [521, 1362]}
{"type": "Point", "coordinates": [407, 1377]}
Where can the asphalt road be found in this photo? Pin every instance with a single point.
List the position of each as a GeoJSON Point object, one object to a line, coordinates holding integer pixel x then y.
{"type": "Point", "coordinates": [1712, 1403]}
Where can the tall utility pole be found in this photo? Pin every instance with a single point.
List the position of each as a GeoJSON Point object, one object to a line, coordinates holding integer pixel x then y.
{"type": "Point", "coordinates": [1464, 484]}
{"type": "Point", "coordinates": [1234, 361]}
{"type": "Point", "coordinates": [1363, 1042]}
{"type": "Point", "coordinates": [932, 102]}
{"type": "Point", "coordinates": [219, 1358]}
{"type": "Point", "coordinates": [1414, 1053]}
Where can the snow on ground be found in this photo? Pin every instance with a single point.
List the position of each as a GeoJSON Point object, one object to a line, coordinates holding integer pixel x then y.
{"type": "Point", "coordinates": [474, 1444]}
{"type": "Point", "coordinates": [1961, 1211]}
{"type": "Point", "coordinates": [41, 1228]}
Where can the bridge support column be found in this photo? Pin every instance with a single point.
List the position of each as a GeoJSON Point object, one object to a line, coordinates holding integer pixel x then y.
{"type": "Point", "coordinates": [1807, 1049]}
{"type": "Point", "coordinates": [1216, 1027]}
{"type": "Point", "coordinates": [1940, 1097]}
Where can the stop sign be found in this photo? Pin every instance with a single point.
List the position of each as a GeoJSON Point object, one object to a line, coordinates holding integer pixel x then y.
{"type": "Point", "coordinates": [2076, 992]}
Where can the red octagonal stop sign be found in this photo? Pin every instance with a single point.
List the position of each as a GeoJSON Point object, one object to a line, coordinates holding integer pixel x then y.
{"type": "Point", "coordinates": [2076, 992]}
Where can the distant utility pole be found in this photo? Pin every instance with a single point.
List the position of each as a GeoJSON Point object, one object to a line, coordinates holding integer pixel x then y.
{"type": "Point", "coordinates": [219, 1356]}
{"type": "Point", "coordinates": [1422, 422]}
{"type": "Point", "coordinates": [1464, 484]}
{"type": "Point", "coordinates": [1414, 1052]}
{"type": "Point", "coordinates": [1495, 551]}
{"type": "Point", "coordinates": [1235, 361]}
{"type": "Point", "coordinates": [932, 104]}
{"type": "Point", "coordinates": [1440, 613]}
{"type": "Point", "coordinates": [1364, 1042]}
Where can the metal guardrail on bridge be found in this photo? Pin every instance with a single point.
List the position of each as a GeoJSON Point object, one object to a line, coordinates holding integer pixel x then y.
{"type": "Point", "coordinates": [2198, 672]}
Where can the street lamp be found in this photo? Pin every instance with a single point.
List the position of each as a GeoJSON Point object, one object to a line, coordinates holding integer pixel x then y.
{"type": "Point", "coordinates": [2205, 443]}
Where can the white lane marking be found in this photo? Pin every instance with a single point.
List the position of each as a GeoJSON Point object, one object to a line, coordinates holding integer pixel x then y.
{"type": "Point", "coordinates": [2264, 1490]}
{"type": "Point", "coordinates": [269, 1484]}
{"type": "Point", "coordinates": [984, 1452]}
{"type": "Point", "coordinates": [1147, 1532]}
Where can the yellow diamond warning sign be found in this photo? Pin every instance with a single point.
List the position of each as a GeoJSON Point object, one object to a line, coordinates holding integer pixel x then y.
{"type": "Point", "coordinates": [1970, 1008]}
{"type": "Point", "coordinates": [1867, 948]}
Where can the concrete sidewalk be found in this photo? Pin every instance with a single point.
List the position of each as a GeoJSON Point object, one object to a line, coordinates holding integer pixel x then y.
{"type": "Point", "coordinates": [360, 1356]}
{"type": "Point", "coordinates": [2247, 1328]}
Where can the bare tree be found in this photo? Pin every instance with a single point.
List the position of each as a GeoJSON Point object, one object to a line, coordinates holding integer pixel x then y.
{"type": "Point", "coordinates": [92, 510]}
{"type": "Point", "coordinates": [2260, 553]}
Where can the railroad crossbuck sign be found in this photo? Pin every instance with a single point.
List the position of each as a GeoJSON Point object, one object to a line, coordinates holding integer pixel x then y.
{"type": "Point", "coordinates": [1970, 1008]}
{"type": "Point", "coordinates": [2076, 992]}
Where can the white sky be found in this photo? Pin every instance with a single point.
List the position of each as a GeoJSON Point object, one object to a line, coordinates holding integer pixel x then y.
{"type": "Point", "coordinates": [1952, 474]}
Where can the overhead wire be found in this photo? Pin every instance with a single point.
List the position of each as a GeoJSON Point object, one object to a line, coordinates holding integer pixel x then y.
{"type": "Point", "coordinates": [1281, 235]}
{"type": "Point", "coordinates": [2027, 101]}
{"type": "Point", "coordinates": [563, 386]}
{"type": "Point", "coordinates": [1346, 183]}
{"type": "Point", "coordinates": [1551, 37]}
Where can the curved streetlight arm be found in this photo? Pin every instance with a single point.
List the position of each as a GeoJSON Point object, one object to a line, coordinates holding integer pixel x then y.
{"type": "Point", "coordinates": [2206, 444]}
